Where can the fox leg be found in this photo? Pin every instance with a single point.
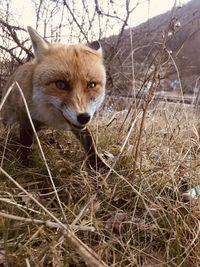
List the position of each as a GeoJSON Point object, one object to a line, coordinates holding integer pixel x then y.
{"type": "Point", "coordinates": [26, 139]}
{"type": "Point", "coordinates": [86, 139]}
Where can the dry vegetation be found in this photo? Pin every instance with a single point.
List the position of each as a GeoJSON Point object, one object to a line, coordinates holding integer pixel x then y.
{"type": "Point", "coordinates": [134, 216]}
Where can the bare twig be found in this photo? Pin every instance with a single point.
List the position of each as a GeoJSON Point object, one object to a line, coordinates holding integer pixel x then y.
{"type": "Point", "coordinates": [13, 34]}
{"type": "Point", "coordinates": [75, 20]}
{"type": "Point", "coordinates": [48, 224]}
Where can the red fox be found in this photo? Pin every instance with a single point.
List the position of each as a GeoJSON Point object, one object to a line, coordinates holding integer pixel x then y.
{"type": "Point", "coordinates": [63, 85]}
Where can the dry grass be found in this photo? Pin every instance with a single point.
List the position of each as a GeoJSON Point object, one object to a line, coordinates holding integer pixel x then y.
{"type": "Point", "coordinates": [132, 217]}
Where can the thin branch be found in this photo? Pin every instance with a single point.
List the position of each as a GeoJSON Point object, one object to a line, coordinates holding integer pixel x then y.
{"type": "Point", "coordinates": [101, 12]}
{"type": "Point", "coordinates": [48, 224]}
{"type": "Point", "coordinates": [8, 26]}
{"type": "Point", "coordinates": [9, 51]}
{"type": "Point", "coordinates": [75, 20]}
{"type": "Point", "coordinates": [12, 33]}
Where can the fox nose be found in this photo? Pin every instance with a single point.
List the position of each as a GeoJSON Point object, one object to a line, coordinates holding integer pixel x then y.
{"type": "Point", "coordinates": [83, 118]}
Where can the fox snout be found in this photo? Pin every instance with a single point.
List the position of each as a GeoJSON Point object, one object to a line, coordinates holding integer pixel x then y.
{"type": "Point", "coordinates": [83, 118]}
{"type": "Point", "coordinates": [75, 118]}
{"type": "Point", "coordinates": [78, 115]}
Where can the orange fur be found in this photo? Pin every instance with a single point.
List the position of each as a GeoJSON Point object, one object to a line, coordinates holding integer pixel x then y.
{"type": "Point", "coordinates": [63, 86]}
{"type": "Point", "coordinates": [75, 64]}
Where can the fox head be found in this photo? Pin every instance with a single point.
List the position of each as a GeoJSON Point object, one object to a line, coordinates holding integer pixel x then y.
{"type": "Point", "coordinates": [68, 81]}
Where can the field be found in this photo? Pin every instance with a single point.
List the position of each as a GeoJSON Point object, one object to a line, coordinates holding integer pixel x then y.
{"type": "Point", "coordinates": [135, 215]}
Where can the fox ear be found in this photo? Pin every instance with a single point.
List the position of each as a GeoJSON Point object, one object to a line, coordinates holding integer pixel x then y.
{"type": "Point", "coordinates": [96, 46]}
{"type": "Point", "coordinates": [40, 45]}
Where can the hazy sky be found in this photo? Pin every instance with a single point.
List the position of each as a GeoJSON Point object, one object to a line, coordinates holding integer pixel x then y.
{"type": "Point", "coordinates": [143, 11]}
{"type": "Point", "coordinates": [24, 11]}
{"type": "Point", "coordinates": [156, 7]}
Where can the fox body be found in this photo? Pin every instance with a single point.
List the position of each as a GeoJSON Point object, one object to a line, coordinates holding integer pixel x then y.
{"type": "Point", "coordinates": [63, 85]}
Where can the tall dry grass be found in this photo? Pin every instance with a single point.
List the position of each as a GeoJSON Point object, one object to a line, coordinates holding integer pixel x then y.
{"type": "Point", "coordinates": [132, 216]}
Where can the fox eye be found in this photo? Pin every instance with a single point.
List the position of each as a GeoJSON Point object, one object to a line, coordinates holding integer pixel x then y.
{"type": "Point", "coordinates": [91, 85]}
{"type": "Point", "coordinates": [62, 85]}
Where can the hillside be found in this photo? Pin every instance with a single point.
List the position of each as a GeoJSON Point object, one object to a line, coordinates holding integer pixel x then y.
{"type": "Point", "coordinates": [141, 48]}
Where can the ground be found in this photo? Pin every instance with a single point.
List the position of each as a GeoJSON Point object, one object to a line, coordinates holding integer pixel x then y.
{"type": "Point", "coordinates": [133, 216]}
